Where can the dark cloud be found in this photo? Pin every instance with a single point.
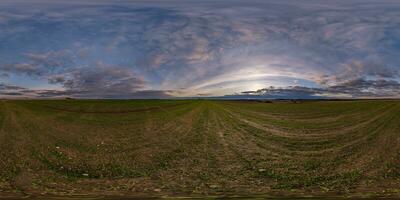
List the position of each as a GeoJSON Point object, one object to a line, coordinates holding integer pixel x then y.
{"type": "Point", "coordinates": [22, 68]}
{"type": "Point", "coordinates": [4, 75]}
{"type": "Point", "coordinates": [367, 88]}
{"type": "Point", "coordinates": [11, 93]}
{"type": "Point", "coordinates": [204, 94]}
{"type": "Point", "coordinates": [358, 88]}
{"type": "Point", "coordinates": [357, 69]}
{"type": "Point", "coordinates": [100, 80]}
{"type": "Point", "coordinates": [296, 92]}
{"type": "Point", "coordinates": [143, 94]}
{"type": "Point", "coordinates": [40, 64]}
{"type": "Point", "coordinates": [95, 81]}
{"type": "Point", "coordinates": [149, 94]}
{"type": "Point", "coordinates": [4, 87]}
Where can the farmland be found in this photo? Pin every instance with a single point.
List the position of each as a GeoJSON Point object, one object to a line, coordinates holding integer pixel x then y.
{"type": "Point", "coordinates": [199, 147]}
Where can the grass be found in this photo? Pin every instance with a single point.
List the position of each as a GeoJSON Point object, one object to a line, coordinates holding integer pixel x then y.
{"type": "Point", "coordinates": [199, 147]}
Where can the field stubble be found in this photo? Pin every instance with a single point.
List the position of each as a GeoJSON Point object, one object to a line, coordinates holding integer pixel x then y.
{"type": "Point", "coordinates": [198, 147]}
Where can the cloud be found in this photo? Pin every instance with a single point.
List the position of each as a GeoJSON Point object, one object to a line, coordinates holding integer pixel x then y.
{"type": "Point", "coordinates": [100, 80]}
{"type": "Point", "coordinates": [142, 94]}
{"type": "Point", "coordinates": [150, 94]}
{"type": "Point", "coordinates": [12, 91]}
{"type": "Point", "coordinates": [40, 64]}
{"type": "Point", "coordinates": [4, 75]}
{"type": "Point", "coordinates": [200, 46]}
{"type": "Point", "coordinates": [358, 69]}
{"type": "Point", "coordinates": [22, 68]}
{"type": "Point", "coordinates": [291, 92]}
{"type": "Point", "coordinates": [97, 80]}
{"type": "Point", "coordinates": [368, 88]}
{"type": "Point", "coordinates": [357, 88]}
{"type": "Point", "coordinates": [5, 87]}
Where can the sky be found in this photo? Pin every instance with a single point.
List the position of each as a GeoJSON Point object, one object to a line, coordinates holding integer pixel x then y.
{"type": "Point", "coordinates": [186, 48]}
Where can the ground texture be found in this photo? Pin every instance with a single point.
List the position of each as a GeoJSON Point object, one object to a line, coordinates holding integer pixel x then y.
{"type": "Point", "coordinates": [198, 147]}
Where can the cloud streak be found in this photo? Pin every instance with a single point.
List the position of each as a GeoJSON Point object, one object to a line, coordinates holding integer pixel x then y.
{"type": "Point", "coordinates": [119, 49]}
{"type": "Point", "coordinates": [358, 88]}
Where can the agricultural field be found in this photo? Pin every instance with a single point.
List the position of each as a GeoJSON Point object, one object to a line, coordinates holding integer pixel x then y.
{"type": "Point", "coordinates": [199, 148]}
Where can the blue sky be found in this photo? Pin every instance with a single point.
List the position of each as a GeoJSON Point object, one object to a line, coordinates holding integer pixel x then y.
{"type": "Point", "coordinates": [163, 49]}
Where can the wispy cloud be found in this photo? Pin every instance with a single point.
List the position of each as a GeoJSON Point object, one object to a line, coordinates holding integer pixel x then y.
{"type": "Point", "coordinates": [102, 48]}
{"type": "Point", "coordinates": [357, 88]}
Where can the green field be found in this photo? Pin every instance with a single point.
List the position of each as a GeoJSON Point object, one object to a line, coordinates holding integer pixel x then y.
{"type": "Point", "coordinates": [199, 148]}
